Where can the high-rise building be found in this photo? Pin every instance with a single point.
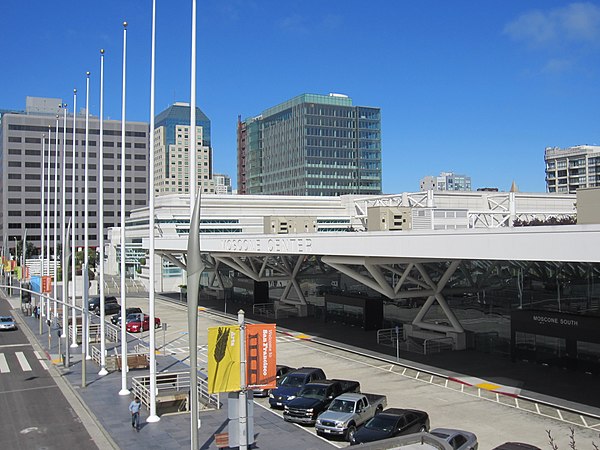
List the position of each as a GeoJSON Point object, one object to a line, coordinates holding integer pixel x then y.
{"type": "Point", "coordinates": [446, 181]}
{"type": "Point", "coordinates": [171, 146]}
{"type": "Point", "coordinates": [568, 169]}
{"type": "Point", "coordinates": [222, 184]}
{"type": "Point", "coordinates": [311, 145]}
{"type": "Point", "coordinates": [21, 170]}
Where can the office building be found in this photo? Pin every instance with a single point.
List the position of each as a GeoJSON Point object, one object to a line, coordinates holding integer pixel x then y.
{"type": "Point", "coordinates": [222, 184]}
{"type": "Point", "coordinates": [311, 145]}
{"type": "Point", "coordinates": [21, 170]}
{"type": "Point", "coordinates": [446, 181]}
{"type": "Point", "coordinates": [568, 169]}
{"type": "Point", "coordinates": [171, 146]}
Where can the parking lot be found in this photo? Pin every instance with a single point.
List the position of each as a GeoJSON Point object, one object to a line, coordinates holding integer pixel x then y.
{"type": "Point", "coordinates": [448, 407]}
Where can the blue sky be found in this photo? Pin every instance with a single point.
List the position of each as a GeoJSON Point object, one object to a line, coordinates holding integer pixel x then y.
{"type": "Point", "coordinates": [477, 87]}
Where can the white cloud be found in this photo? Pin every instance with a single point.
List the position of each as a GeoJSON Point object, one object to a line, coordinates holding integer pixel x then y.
{"type": "Point", "coordinates": [557, 66]}
{"type": "Point", "coordinates": [576, 22]}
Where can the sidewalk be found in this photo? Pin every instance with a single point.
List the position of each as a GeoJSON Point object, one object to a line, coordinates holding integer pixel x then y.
{"type": "Point", "coordinates": [110, 412]}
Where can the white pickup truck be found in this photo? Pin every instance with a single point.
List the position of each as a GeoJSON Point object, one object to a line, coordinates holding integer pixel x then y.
{"type": "Point", "coordinates": [347, 412]}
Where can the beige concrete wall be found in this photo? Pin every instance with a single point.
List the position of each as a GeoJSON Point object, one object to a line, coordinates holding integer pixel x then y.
{"type": "Point", "coordinates": [588, 205]}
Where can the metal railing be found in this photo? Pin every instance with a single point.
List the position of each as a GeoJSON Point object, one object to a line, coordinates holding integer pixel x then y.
{"type": "Point", "coordinates": [437, 345]}
{"type": "Point", "coordinates": [389, 336]}
{"type": "Point", "coordinates": [167, 382]}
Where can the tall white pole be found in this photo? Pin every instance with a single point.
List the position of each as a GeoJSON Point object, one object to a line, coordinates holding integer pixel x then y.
{"type": "Point", "coordinates": [192, 141]}
{"type": "Point", "coordinates": [103, 370]}
{"type": "Point", "coordinates": [48, 216]}
{"type": "Point", "coordinates": [151, 297]}
{"type": "Point", "coordinates": [42, 234]}
{"type": "Point", "coordinates": [242, 405]}
{"type": "Point", "coordinates": [65, 276]}
{"type": "Point", "coordinates": [74, 227]}
{"type": "Point", "coordinates": [124, 365]}
{"type": "Point", "coordinates": [86, 226]}
{"type": "Point", "coordinates": [55, 218]}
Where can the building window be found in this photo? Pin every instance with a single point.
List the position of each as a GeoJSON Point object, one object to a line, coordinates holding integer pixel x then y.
{"type": "Point", "coordinates": [14, 164]}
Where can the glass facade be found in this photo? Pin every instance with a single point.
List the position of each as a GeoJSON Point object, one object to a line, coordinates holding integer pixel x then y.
{"type": "Point", "coordinates": [314, 145]}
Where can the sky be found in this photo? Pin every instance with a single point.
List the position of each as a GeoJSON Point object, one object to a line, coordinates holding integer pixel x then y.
{"type": "Point", "coordinates": [475, 87]}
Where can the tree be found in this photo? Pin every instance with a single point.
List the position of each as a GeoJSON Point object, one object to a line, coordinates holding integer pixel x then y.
{"type": "Point", "coordinates": [30, 249]}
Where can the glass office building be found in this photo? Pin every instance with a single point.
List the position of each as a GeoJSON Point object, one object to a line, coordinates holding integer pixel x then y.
{"type": "Point", "coordinates": [318, 145]}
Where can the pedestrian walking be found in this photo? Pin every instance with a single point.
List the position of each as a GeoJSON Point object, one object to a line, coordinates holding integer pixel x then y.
{"type": "Point", "coordinates": [134, 408]}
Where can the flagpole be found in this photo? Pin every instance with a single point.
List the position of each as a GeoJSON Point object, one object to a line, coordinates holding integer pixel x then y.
{"type": "Point", "coordinates": [64, 271]}
{"type": "Point", "coordinates": [86, 232]}
{"type": "Point", "coordinates": [73, 235]}
{"type": "Point", "coordinates": [103, 370]}
{"type": "Point", "coordinates": [55, 217]}
{"type": "Point", "coordinates": [153, 417]}
{"type": "Point", "coordinates": [124, 365]}
{"type": "Point", "coordinates": [65, 275]}
{"type": "Point", "coordinates": [48, 217]}
{"type": "Point", "coordinates": [42, 234]}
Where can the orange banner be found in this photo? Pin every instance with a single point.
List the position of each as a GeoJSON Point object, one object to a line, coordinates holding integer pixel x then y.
{"type": "Point", "coordinates": [13, 265]}
{"type": "Point", "coordinates": [46, 284]}
{"type": "Point", "coordinates": [261, 356]}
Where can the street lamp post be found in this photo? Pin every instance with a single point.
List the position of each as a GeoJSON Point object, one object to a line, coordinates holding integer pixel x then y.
{"type": "Point", "coordinates": [192, 141]}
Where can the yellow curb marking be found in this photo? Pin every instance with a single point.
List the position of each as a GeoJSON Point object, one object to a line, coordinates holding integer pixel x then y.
{"type": "Point", "coordinates": [488, 386]}
{"type": "Point", "coordinates": [302, 336]}
{"type": "Point", "coordinates": [56, 361]}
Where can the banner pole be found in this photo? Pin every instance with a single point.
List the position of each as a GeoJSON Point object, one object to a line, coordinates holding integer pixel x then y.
{"type": "Point", "coordinates": [243, 419]}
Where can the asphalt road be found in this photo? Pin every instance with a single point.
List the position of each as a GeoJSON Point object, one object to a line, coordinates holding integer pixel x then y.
{"type": "Point", "coordinates": [34, 413]}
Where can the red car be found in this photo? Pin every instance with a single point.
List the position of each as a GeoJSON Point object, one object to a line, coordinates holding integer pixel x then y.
{"type": "Point", "coordinates": [135, 324]}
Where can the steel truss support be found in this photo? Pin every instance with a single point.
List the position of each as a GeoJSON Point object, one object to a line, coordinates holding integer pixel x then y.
{"type": "Point", "coordinates": [369, 272]}
{"type": "Point", "coordinates": [269, 268]}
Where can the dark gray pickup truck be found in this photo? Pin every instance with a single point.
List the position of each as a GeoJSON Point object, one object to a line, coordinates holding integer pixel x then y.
{"type": "Point", "coordinates": [314, 398]}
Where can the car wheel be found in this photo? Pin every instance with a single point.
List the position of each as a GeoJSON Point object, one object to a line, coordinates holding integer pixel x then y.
{"type": "Point", "coordinates": [378, 410]}
{"type": "Point", "coordinates": [350, 433]}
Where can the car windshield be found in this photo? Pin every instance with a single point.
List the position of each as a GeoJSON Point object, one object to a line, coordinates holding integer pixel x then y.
{"type": "Point", "coordinates": [293, 380]}
{"type": "Point", "coordinates": [5, 319]}
{"type": "Point", "coordinates": [134, 318]}
{"type": "Point", "coordinates": [381, 422]}
{"type": "Point", "coordinates": [315, 392]}
{"type": "Point", "coordinates": [344, 406]}
{"type": "Point", "coordinates": [440, 434]}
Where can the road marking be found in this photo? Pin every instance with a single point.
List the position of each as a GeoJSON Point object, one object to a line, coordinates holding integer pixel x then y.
{"type": "Point", "coordinates": [23, 361]}
{"type": "Point", "coordinates": [38, 355]}
{"type": "Point", "coordinates": [43, 363]}
{"type": "Point", "coordinates": [29, 389]}
{"type": "Point", "coordinates": [15, 345]}
{"type": "Point", "coordinates": [3, 364]}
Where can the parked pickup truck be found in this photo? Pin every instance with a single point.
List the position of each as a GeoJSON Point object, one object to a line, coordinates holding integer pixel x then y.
{"type": "Point", "coordinates": [314, 398]}
{"type": "Point", "coordinates": [348, 412]}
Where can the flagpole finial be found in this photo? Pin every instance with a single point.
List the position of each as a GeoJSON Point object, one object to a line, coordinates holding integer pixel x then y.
{"type": "Point", "coordinates": [87, 74]}
{"type": "Point", "coordinates": [124, 24]}
{"type": "Point", "coordinates": [102, 51]}
{"type": "Point", "coordinates": [74, 91]}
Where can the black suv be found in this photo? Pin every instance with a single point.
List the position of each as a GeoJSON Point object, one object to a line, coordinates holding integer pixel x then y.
{"type": "Point", "coordinates": [94, 303]}
{"type": "Point", "coordinates": [117, 317]}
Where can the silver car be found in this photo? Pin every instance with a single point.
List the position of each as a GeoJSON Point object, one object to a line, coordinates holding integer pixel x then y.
{"type": "Point", "coordinates": [7, 323]}
{"type": "Point", "coordinates": [458, 439]}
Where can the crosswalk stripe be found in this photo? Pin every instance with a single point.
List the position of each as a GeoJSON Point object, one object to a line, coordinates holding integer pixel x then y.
{"type": "Point", "coordinates": [3, 364]}
{"type": "Point", "coordinates": [37, 354]}
{"type": "Point", "coordinates": [23, 361]}
{"type": "Point", "coordinates": [43, 364]}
